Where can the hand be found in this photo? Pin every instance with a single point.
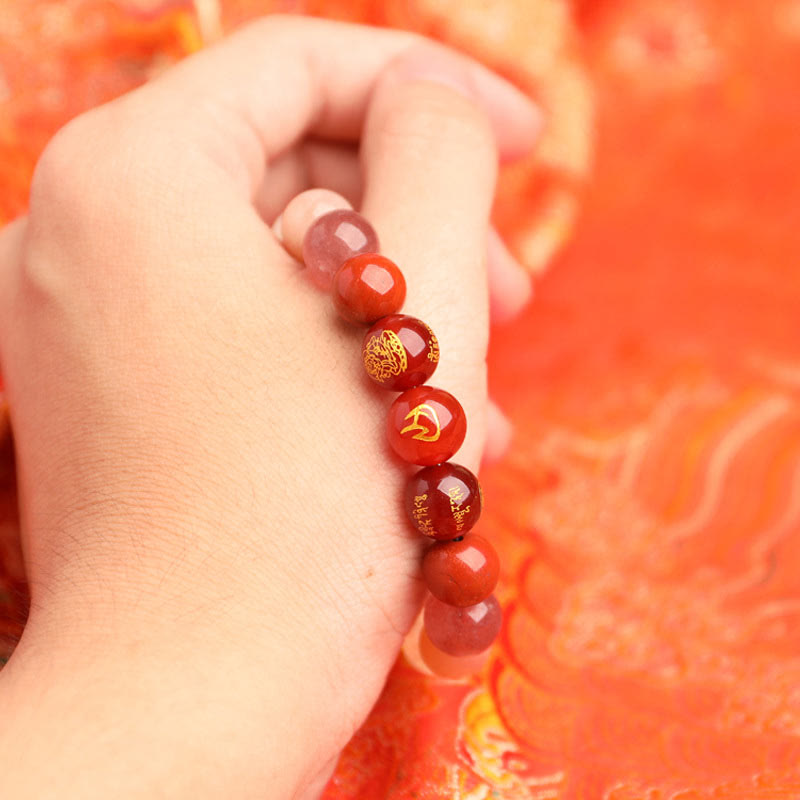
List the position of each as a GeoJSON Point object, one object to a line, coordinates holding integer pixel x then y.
{"type": "Point", "coordinates": [220, 568]}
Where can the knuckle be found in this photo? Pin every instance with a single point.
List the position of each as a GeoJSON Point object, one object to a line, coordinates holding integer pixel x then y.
{"type": "Point", "coordinates": [276, 25]}
{"type": "Point", "coordinates": [96, 188]}
{"type": "Point", "coordinates": [91, 166]}
{"type": "Point", "coordinates": [63, 206]}
{"type": "Point", "coordinates": [60, 168]}
{"type": "Point", "coordinates": [102, 160]}
{"type": "Point", "coordinates": [439, 118]}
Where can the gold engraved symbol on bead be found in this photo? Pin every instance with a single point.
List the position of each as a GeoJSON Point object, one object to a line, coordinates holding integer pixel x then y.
{"type": "Point", "coordinates": [433, 352]}
{"type": "Point", "coordinates": [424, 433]}
{"type": "Point", "coordinates": [385, 356]}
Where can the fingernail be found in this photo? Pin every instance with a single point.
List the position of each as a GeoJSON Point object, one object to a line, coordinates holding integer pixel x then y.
{"type": "Point", "coordinates": [499, 432]}
{"type": "Point", "coordinates": [516, 117]}
{"type": "Point", "coordinates": [277, 227]}
{"type": "Point", "coordinates": [431, 63]}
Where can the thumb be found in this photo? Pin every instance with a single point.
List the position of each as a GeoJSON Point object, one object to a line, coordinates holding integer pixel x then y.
{"type": "Point", "coordinates": [430, 163]}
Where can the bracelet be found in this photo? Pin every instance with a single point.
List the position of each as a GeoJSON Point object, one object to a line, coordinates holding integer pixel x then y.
{"type": "Point", "coordinates": [425, 426]}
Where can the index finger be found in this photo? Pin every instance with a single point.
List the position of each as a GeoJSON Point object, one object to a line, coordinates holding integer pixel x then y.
{"type": "Point", "coordinates": [254, 94]}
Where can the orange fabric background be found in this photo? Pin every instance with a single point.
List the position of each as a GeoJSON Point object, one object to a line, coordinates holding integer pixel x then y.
{"type": "Point", "coordinates": [648, 514]}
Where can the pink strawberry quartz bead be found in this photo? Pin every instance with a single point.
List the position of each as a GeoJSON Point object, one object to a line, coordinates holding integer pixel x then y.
{"type": "Point", "coordinates": [302, 211]}
{"type": "Point", "coordinates": [446, 666]}
{"type": "Point", "coordinates": [333, 239]}
{"type": "Point", "coordinates": [463, 631]}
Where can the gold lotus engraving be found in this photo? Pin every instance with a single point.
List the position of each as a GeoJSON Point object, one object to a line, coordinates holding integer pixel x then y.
{"type": "Point", "coordinates": [429, 432]}
{"type": "Point", "coordinates": [385, 356]}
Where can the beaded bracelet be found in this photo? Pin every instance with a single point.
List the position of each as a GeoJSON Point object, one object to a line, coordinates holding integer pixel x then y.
{"type": "Point", "coordinates": [426, 426]}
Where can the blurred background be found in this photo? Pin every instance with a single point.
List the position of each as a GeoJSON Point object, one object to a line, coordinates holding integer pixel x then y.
{"type": "Point", "coordinates": [648, 512]}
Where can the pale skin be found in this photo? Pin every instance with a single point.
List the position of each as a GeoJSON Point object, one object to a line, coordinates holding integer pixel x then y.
{"type": "Point", "coordinates": [220, 568]}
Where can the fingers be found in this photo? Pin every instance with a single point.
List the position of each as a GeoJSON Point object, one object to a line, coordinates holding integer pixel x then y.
{"type": "Point", "coordinates": [510, 287]}
{"type": "Point", "coordinates": [499, 433]}
{"type": "Point", "coordinates": [430, 163]}
{"type": "Point", "coordinates": [251, 96]}
{"type": "Point", "coordinates": [336, 168]}
{"type": "Point", "coordinates": [515, 120]}
{"type": "Point", "coordinates": [301, 213]}
{"type": "Point", "coordinates": [312, 164]}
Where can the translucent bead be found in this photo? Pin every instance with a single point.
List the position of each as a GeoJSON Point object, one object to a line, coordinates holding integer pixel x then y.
{"type": "Point", "coordinates": [400, 352]}
{"type": "Point", "coordinates": [302, 211]}
{"type": "Point", "coordinates": [444, 501]}
{"type": "Point", "coordinates": [463, 631]}
{"type": "Point", "coordinates": [446, 666]}
{"type": "Point", "coordinates": [426, 425]}
{"type": "Point", "coordinates": [368, 287]}
{"type": "Point", "coordinates": [461, 573]}
{"type": "Point", "coordinates": [332, 239]}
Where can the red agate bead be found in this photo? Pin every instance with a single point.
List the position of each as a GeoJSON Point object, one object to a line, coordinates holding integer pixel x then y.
{"type": "Point", "coordinates": [444, 501]}
{"type": "Point", "coordinates": [426, 425]}
{"type": "Point", "coordinates": [463, 631]}
{"type": "Point", "coordinates": [368, 287]}
{"type": "Point", "coordinates": [400, 352]}
{"type": "Point", "coordinates": [332, 239]}
{"type": "Point", "coordinates": [463, 572]}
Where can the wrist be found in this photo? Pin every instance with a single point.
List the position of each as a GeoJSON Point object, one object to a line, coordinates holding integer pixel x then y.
{"type": "Point", "coordinates": [151, 717]}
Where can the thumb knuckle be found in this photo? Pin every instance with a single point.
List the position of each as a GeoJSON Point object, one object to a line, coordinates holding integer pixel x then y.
{"type": "Point", "coordinates": [437, 119]}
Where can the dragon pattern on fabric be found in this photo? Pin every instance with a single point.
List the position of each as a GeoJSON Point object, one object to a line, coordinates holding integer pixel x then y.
{"type": "Point", "coordinates": [648, 513]}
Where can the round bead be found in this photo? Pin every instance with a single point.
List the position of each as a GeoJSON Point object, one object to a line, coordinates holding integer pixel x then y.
{"type": "Point", "coordinates": [426, 425]}
{"type": "Point", "coordinates": [461, 573]}
{"type": "Point", "coordinates": [332, 239]}
{"type": "Point", "coordinates": [463, 631]}
{"type": "Point", "coordinates": [400, 352]}
{"type": "Point", "coordinates": [444, 501]}
{"type": "Point", "coordinates": [301, 213]}
{"type": "Point", "coordinates": [368, 287]}
{"type": "Point", "coordinates": [446, 666]}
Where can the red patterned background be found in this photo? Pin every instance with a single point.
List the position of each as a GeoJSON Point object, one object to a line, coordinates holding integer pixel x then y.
{"type": "Point", "coordinates": [648, 514]}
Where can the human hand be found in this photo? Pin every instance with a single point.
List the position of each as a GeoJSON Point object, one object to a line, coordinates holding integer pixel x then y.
{"type": "Point", "coordinates": [212, 526]}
